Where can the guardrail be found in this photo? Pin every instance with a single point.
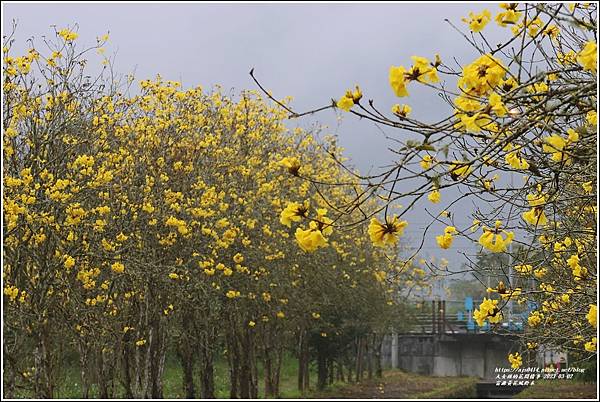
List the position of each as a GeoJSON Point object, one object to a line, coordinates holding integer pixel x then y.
{"type": "Point", "coordinates": [433, 319]}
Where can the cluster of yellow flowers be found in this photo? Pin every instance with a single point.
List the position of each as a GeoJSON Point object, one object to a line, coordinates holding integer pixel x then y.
{"type": "Point", "coordinates": [557, 146]}
{"type": "Point", "coordinates": [515, 360]}
{"type": "Point", "coordinates": [445, 240]}
{"type": "Point", "coordinates": [496, 240]}
{"type": "Point", "coordinates": [422, 71]}
{"type": "Point", "coordinates": [349, 99]}
{"type": "Point", "coordinates": [536, 216]}
{"type": "Point", "coordinates": [488, 310]}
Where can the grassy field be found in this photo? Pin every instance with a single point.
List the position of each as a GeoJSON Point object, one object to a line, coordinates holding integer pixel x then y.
{"type": "Point", "coordinates": [559, 389]}
{"type": "Point", "coordinates": [394, 384]}
{"type": "Point", "coordinates": [398, 384]}
{"type": "Point", "coordinates": [70, 386]}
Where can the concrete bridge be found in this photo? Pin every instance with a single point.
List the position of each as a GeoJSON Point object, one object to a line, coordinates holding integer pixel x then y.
{"type": "Point", "coordinates": [476, 355]}
{"type": "Point", "coordinates": [451, 344]}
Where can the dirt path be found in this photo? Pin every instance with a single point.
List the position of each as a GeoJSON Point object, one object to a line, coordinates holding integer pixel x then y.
{"type": "Point", "coordinates": [397, 384]}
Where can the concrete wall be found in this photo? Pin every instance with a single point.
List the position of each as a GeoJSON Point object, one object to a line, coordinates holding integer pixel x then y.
{"type": "Point", "coordinates": [449, 355]}
{"type": "Point", "coordinates": [472, 358]}
{"type": "Point", "coordinates": [447, 359]}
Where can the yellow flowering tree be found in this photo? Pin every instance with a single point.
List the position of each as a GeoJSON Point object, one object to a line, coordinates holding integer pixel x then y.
{"type": "Point", "coordinates": [520, 142]}
{"type": "Point", "coordinates": [175, 221]}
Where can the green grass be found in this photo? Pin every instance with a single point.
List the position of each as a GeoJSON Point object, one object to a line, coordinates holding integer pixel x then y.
{"type": "Point", "coordinates": [70, 384]}
{"type": "Point", "coordinates": [559, 389]}
{"type": "Point", "coordinates": [399, 384]}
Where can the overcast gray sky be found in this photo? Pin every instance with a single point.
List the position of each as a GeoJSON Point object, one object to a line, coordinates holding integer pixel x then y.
{"type": "Point", "coordinates": [313, 52]}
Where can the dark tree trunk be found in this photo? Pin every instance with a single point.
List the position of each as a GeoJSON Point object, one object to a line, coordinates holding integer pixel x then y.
{"type": "Point", "coordinates": [369, 352]}
{"type": "Point", "coordinates": [340, 370]}
{"type": "Point", "coordinates": [125, 362]}
{"type": "Point", "coordinates": [233, 358]}
{"type": "Point", "coordinates": [359, 359]}
{"type": "Point", "coordinates": [187, 364]}
{"type": "Point", "coordinates": [83, 369]}
{"type": "Point", "coordinates": [321, 370]}
{"type": "Point", "coordinates": [43, 376]}
{"type": "Point", "coordinates": [207, 374]}
{"type": "Point", "coordinates": [303, 362]}
{"type": "Point", "coordinates": [377, 353]}
{"type": "Point", "coordinates": [331, 369]}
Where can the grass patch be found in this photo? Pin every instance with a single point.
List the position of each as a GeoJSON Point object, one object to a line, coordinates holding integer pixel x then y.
{"type": "Point", "coordinates": [69, 386]}
{"type": "Point", "coordinates": [399, 384]}
{"type": "Point", "coordinates": [559, 389]}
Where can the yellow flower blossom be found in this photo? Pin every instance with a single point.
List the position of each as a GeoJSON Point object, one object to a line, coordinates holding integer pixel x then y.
{"type": "Point", "coordinates": [397, 78]}
{"type": "Point", "coordinates": [292, 164]}
{"type": "Point", "coordinates": [524, 269]}
{"type": "Point", "coordinates": [311, 239]}
{"type": "Point", "coordinates": [494, 241]}
{"type": "Point", "coordinates": [232, 294]}
{"type": "Point", "coordinates": [345, 103]}
{"type": "Point", "coordinates": [478, 21]}
{"type": "Point", "coordinates": [386, 234]}
{"type": "Point", "coordinates": [488, 310]}
{"type": "Point", "coordinates": [68, 35]}
{"type": "Point", "coordinates": [592, 118]}
{"type": "Point", "coordinates": [591, 345]}
{"type": "Point", "coordinates": [483, 75]}
{"type": "Point", "coordinates": [515, 360]}
{"type": "Point", "coordinates": [445, 240]}
{"type": "Point", "coordinates": [69, 262]}
{"type": "Point", "coordinates": [422, 71]}
{"type": "Point", "coordinates": [535, 318]}
{"type": "Point", "coordinates": [426, 162]}
{"type": "Point", "coordinates": [510, 16]}
{"type": "Point", "coordinates": [535, 216]}
{"type": "Point", "coordinates": [516, 161]}
{"type": "Point", "coordinates": [588, 56]}
{"type": "Point", "coordinates": [401, 110]}
{"type": "Point", "coordinates": [434, 196]}
{"type": "Point", "coordinates": [592, 315]}
{"type": "Point", "coordinates": [117, 267]}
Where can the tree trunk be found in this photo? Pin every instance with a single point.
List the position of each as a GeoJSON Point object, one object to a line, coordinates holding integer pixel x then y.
{"type": "Point", "coordinates": [207, 379]}
{"type": "Point", "coordinates": [233, 358]}
{"type": "Point", "coordinates": [377, 352]}
{"type": "Point", "coordinates": [253, 365]}
{"type": "Point", "coordinates": [340, 370]}
{"type": "Point", "coordinates": [83, 369]}
{"type": "Point", "coordinates": [126, 368]}
{"type": "Point", "coordinates": [359, 358]}
{"type": "Point", "coordinates": [103, 392]}
{"type": "Point", "coordinates": [303, 362]}
{"type": "Point", "coordinates": [268, 373]}
{"type": "Point", "coordinates": [157, 360]}
{"type": "Point", "coordinates": [321, 369]}
{"type": "Point", "coordinates": [43, 376]}
{"type": "Point", "coordinates": [277, 374]}
{"type": "Point", "coordinates": [369, 351]}
{"type": "Point", "coordinates": [187, 364]}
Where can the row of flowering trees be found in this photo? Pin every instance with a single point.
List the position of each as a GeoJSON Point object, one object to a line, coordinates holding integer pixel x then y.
{"type": "Point", "coordinates": [137, 226]}
{"type": "Point", "coordinates": [520, 147]}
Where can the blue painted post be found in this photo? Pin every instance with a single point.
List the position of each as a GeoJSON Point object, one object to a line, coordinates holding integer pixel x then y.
{"type": "Point", "coordinates": [469, 311]}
